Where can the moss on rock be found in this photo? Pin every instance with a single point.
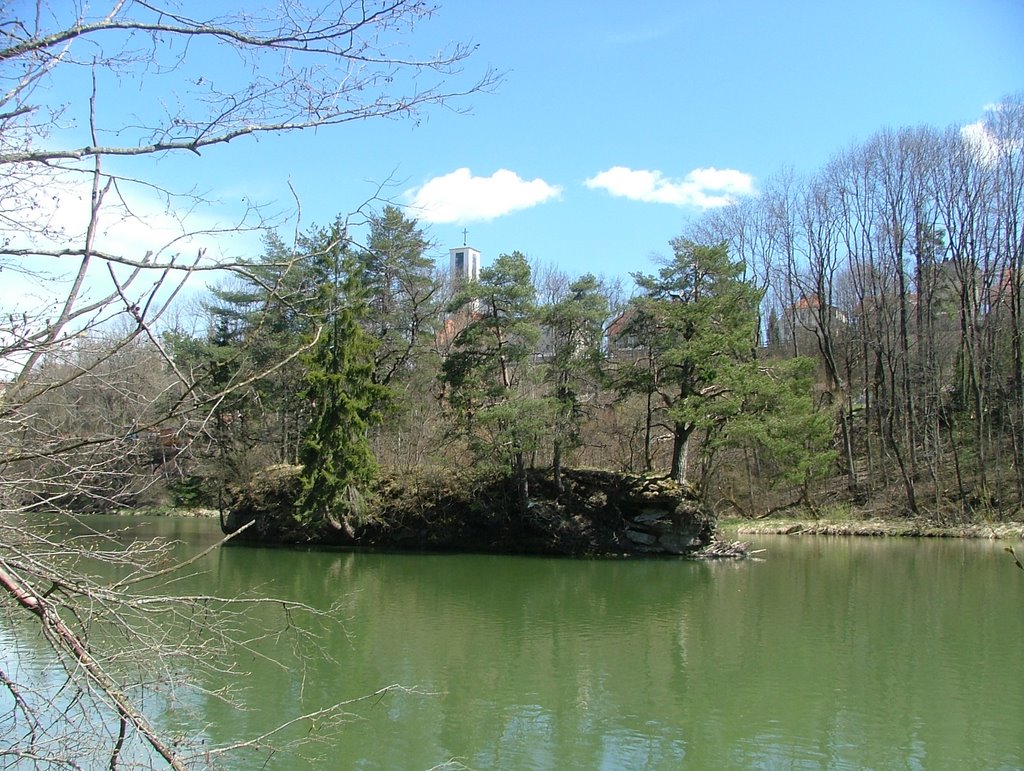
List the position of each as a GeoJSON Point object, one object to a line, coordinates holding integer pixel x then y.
{"type": "Point", "coordinates": [598, 513]}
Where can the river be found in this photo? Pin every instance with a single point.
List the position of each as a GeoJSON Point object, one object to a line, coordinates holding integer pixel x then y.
{"type": "Point", "coordinates": [821, 653]}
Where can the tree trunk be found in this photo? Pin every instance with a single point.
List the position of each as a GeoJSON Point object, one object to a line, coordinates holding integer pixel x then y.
{"type": "Point", "coordinates": [522, 483]}
{"type": "Point", "coordinates": [1016, 411]}
{"type": "Point", "coordinates": [556, 467]}
{"type": "Point", "coordinates": [680, 443]}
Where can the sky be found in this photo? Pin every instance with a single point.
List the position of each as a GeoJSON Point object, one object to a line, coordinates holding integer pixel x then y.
{"type": "Point", "coordinates": [617, 124]}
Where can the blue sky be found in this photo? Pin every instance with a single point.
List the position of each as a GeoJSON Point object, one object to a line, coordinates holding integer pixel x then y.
{"type": "Point", "coordinates": [667, 88]}
{"type": "Point", "coordinates": [616, 124]}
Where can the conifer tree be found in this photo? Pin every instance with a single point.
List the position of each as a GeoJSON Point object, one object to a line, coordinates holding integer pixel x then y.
{"type": "Point", "coordinates": [574, 326]}
{"type": "Point", "coordinates": [337, 462]}
{"type": "Point", "coordinates": [700, 323]}
{"type": "Point", "coordinates": [769, 409]}
{"type": "Point", "coordinates": [403, 292]}
{"type": "Point", "coordinates": [486, 370]}
{"type": "Point", "coordinates": [705, 324]}
{"type": "Point", "coordinates": [246, 365]}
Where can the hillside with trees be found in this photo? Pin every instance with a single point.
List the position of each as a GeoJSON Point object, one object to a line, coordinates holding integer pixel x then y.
{"type": "Point", "coordinates": [898, 268]}
{"type": "Point", "coordinates": [852, 339]}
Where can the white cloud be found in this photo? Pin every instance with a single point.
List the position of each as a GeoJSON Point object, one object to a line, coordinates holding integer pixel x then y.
{"type": "Point", "coordinates": [461, 197]}
{"type": "Point", "coordinates": [703, 188]}
{"type": "Point", "coordinates": [143, 221]}
{"type": "Point", "coordinates": [980, 139]}
{"type": "Point", "coordinates": [993, 136]}
{"type": "Point", "coordinates": [130, 229]}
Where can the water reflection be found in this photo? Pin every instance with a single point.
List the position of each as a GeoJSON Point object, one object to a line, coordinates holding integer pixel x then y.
{"type": "Point", "coordinates": [834, 653]}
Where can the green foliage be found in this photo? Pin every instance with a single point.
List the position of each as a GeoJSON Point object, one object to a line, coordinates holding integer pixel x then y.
{"type": "Point", "coordinates": [500, 332]}
{"type": "Point", "coordinates": [246, 363]}
{"type": "Point", "coordinates": [402, 293]}
{"type": "Point", "coordinates": [698, 319]}
{"type": "Point", "coordinates": [771, 411]}
{"type": "Point", "coordinates": [705, 314]}
{"type": "Point", "coordinates": [251, 363]}
{"type": "Point", "coordinates": [337, 462]}
{"type": "Point", "coordinates": [191, 493]}
{"type": "Point", "coordinates": [515, 426]}
{"type": "Point", "coordinates": [574, 326]}
{"type": "Point", "coordinates": [485, 374]}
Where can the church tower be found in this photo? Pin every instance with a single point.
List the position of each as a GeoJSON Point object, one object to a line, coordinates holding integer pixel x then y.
{"type": "Point", "coordinates": [465, 265]}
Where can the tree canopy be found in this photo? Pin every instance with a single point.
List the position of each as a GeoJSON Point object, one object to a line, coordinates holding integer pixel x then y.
{"type": "Point", "coordinates": [337, 462]}
{"type": "Point", "coordinates": [486, 373]}
{"type": "Point", "coordinates": [703, 327]}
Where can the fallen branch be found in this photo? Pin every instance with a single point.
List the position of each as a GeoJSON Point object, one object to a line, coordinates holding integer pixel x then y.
{"type": "Point", "coordinates": [724, 550]}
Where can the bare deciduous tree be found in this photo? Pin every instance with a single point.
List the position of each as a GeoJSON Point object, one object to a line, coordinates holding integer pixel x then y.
{"type": "Point", "coordinates": [79, 165]}
{"type": "Point", "coordinates": [900, 263]}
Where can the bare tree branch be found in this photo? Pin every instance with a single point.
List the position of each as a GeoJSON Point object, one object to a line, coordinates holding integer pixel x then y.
{"type": "Point", "coordinates": [96, 412]}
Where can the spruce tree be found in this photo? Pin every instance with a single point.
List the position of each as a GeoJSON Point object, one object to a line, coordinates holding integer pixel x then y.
{"type": "Point", "coordinates": [337, 462]}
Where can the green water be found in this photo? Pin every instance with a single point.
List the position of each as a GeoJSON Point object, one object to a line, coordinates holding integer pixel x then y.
{"type": "Point", "coordinates": [826, 653]}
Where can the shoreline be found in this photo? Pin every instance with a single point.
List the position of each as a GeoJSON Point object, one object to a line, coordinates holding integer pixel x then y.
{"type": "Point", "coordinates": [887, 528]}
{"type": "Point", "coordinates": [732, 528]}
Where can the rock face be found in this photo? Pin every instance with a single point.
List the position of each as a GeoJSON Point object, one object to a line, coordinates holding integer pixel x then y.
{"type": "Point", "coordinates": [598, 513]}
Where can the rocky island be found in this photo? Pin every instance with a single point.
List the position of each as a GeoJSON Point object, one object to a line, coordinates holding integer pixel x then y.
{"type": "Point", "coordinates": [598, 513]}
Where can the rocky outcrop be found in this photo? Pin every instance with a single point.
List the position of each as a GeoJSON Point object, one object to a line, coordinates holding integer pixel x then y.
{"type": "Point", "coordinates": [597, 513]}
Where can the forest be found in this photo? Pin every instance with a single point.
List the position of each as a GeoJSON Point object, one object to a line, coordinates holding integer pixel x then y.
{"type": "Point", "coordinates": [847, 338]}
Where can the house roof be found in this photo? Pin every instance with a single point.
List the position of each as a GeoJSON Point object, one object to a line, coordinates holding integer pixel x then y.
{"type": "Point", "coordinates": [807, 302]}
{"type": "Point", "coordinates": [617, 326]}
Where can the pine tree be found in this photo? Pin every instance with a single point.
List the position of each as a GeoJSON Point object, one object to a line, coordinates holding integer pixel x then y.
{"type": "Point", "coordinates": [704, 324]}
{"type": "Point", "coordinates": [769, 410]}
{"type": "Point", "coordinates": [699, 319]}
{"type": "Point", "coordinates": [574, 326]}
{"type": "Point", "coordinates": [485, 372]}
{"type": "Point", "coordinates": [402, 292]}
